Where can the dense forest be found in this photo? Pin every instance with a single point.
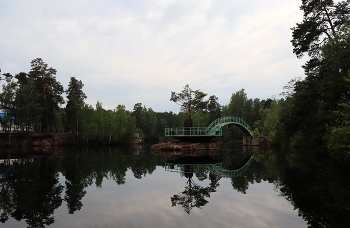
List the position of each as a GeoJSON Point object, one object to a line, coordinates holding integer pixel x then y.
{"type": "Point", "coordinates": [314, 112]}
{"type": "Point", "coordinates": [33, 102]}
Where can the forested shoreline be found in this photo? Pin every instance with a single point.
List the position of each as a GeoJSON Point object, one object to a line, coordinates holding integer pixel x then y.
{"type": "Point", "coordinates": [314, 112]}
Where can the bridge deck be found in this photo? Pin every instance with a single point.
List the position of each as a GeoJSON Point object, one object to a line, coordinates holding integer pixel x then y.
{"type": "Point", "coordinates": [190, 132]}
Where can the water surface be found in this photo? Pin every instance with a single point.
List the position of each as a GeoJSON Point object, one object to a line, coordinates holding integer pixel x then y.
{"type": "Point", "coordinates": [121, 187]}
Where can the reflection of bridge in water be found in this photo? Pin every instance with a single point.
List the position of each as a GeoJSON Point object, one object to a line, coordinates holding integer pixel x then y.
{"type": "Point", "coordinates": [214, 168]}
{"type": "Point", "coordinates": [194, 195]}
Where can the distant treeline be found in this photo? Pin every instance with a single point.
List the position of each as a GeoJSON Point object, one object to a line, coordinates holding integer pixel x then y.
{"type": "Point", "coordinates": [33, 102]}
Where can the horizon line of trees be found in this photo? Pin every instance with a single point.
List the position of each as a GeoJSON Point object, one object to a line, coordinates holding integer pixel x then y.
{"type": "Point", "coordinates": [33, 102]}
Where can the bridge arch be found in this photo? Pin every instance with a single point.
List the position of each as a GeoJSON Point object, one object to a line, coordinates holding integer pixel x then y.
{"type": "Point", "coordinates": [219, 123]}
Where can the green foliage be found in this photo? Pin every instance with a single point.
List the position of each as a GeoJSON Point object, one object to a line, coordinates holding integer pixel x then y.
{"type": "Point", "coordinates": [161, 125]}
{"type": "Point", "coordinates": [32, 104]}
{"type": "Point", "coordinates": [137, 113]}
{"type": "Point", "coordinates": [321, 18]}
{"type": "Point", "coordinates": [201, 119]}
{"type": "Point", "coordinates": [108, 126]}
{"type": "Point", "coordinates": [170, 118]}
{"type": "Point", "coordinates": [125, 123]}
{"type": "Point", "coordinates": [339, 141]}
{"type": "Point", "coordinates": [76, 97]}
{"type": "Point", "coordinates": [269, 120]}
{"type": "Point", "coordinates": [149, 123]}
{"type": "Point", "coordinates": [7, 99]}
{"type": "Point", "coordinates": [338, 138]}
{"type": "Point", "coordinates": [50, 90]}
{"type": "Point", "coordinates": [241, 106]}
{"type": "Point", "coordinates": [308, 113]}
{"type": "Point", "coordinates": [213, 108]}
{"type": "Point", "coordinates": [86, 122]}
{"type": "Point", "coordinates": [190, 100]}
{"type": "Point", "coordinates": [198, 111]}
{"type": "Point", "coordinates": [28, 109]}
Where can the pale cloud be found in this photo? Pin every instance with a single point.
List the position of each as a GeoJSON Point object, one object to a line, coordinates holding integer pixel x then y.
{"type": "Point", "coordinates": [127, 52]}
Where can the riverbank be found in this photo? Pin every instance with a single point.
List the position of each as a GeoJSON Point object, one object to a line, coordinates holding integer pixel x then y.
{"type": "Point", "coordinates": [185, 147]}
{"type": "Point", "coordinates": [45, 140]}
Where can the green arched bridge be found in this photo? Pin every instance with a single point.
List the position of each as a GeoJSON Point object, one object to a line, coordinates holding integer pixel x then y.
{"type": "Point", "coordinates": [214, 129]}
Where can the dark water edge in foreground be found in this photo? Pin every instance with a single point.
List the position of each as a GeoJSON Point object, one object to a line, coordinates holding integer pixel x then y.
{"type": "Point", "coordinates": [124, 187]}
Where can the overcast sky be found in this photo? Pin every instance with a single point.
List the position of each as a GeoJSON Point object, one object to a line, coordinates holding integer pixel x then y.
{"type": "Point", "coordinates": [138, 51]}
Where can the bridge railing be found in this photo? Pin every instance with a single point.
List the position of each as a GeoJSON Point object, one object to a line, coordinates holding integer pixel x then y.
{"type": "Point", "coordinates": [189, 131]}
{"type": "Point", "coordinates": [214, 129]}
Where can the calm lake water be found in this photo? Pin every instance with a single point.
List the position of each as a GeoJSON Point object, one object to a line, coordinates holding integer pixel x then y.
{"type": "Point", "coordinates": [122, 187]}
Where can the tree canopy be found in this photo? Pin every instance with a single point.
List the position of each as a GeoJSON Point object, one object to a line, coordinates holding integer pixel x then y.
{"type": "Point", "coordinates": [321, 21]}
{"type": "Point", "coordinates": [75, 103]}
{"type": "Point", "coordinates": [189, 100]}
{"type": "Point", "coordinates": [312, 105]}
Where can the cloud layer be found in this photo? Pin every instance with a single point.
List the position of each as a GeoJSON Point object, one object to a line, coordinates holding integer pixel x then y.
{"type": "Point", "coordinates": [128, 52]}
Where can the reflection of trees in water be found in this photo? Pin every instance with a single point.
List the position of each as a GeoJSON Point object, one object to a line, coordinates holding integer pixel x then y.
{"type": "Point", "coordinates": [194, 195]}
{"type": "Point", "coordinates": [232, 156]}
{"type": "Point", "coordinates": [75, 186]}
{"type": "Point", "coordinates": [73, 195]}
{"type": "Point", "coordinates": [34, 195]}
{"type": "Point", "coordinates": [33, 192]}
{"type": "Point", "coordinates": [143, 165]}
{"type": "Point", "coordinates": [317, 187]}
